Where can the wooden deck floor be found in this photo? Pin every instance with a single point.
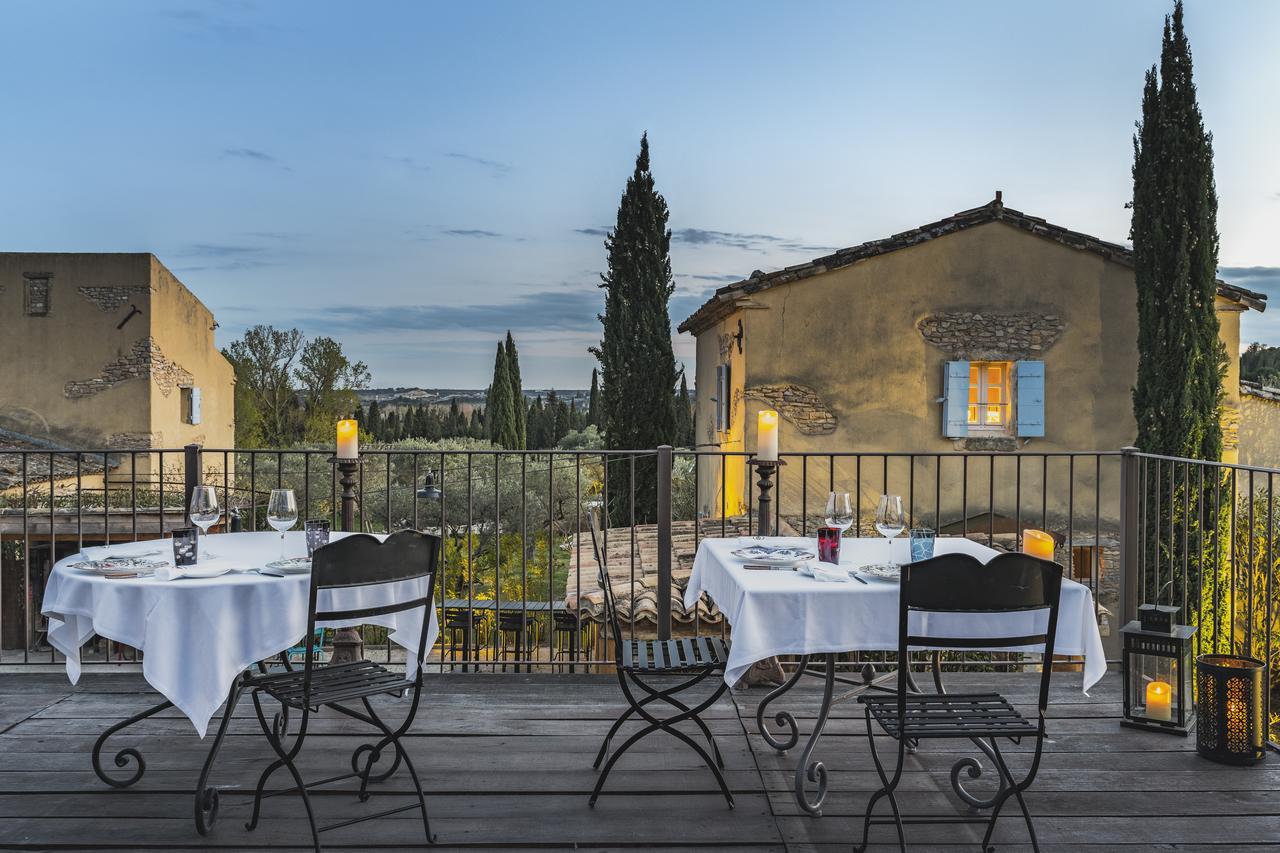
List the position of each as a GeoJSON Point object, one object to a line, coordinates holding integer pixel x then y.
{"type": "Point", "coordinates": [507, 759]}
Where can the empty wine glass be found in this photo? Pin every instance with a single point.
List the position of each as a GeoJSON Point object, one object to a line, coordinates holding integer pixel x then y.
{"type": "Point", "coordinates": [890, 520]}
{"type": "Point", "coordinates": [204, 512]}
{"type": "Point", "coordinates": [839, 511]}
{"type": "Point", "coordinates": [282, 512]}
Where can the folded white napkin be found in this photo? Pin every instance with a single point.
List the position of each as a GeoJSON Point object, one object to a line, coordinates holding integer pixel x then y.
{"type": "Point", "coordinates": [828, 573]}
{"type": "Point", "coordinates": [170, 573]}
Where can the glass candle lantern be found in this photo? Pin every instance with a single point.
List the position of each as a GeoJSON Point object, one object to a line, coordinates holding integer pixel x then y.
{"type": "Point", "coordinates": [1156, 678]}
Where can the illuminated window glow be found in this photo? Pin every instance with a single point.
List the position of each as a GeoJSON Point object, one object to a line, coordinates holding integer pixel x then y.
{"type": "Point", "coordinates": [989, 394]}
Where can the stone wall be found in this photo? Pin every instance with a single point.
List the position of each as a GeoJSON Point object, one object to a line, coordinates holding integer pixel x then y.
{"type": "Point", "coordinates": [799, 404]}
{"type": "Point", "coordinates": [971, 335]}
{"type": "Point", "coordinates": [135, 440]}
{"type": "Point", "coordinates": [144, 360]}
{"type": "Point", "coordinates": [111, 298]}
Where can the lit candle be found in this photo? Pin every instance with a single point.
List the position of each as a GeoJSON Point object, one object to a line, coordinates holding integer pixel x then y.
{"type": "Point", "coordinates": [767, 436]}
{"type": "Point", "coordinates": [1159, 701]}
{"type": "Point", "coordinates": [1037, 543]}
{"type": "Point", "coordinates": [348, 440]}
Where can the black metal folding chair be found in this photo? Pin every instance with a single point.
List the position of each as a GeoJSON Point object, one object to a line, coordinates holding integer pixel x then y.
{"type": "Point", "coordinates": [694, 658]}
{"type": "Point", "coordinates": [348, 563]}
{"type": "Point", "coordinates": [952, 584]}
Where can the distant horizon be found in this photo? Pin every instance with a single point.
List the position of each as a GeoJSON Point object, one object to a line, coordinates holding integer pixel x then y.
{"type": "Point", "coordinates": [457, 181]}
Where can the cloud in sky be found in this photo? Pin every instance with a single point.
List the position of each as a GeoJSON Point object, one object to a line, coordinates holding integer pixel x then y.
{"type": "Point", "coordinates": [496, 167]}
{"type": "Point", "coordinates": [699, 237]}
{"type": "Point", "coordinates": [222, 256]}
{"type": "Point", "coordinates": [1264, 327]}
{"type": "Point", "coordinates": [256, 156]}
{"type": "Point", "coordinates": [474, 232]}
{"type": "Point", "coordinates": [565, 310]}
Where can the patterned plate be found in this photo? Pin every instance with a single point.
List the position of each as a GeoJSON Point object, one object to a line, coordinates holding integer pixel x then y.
{"type": "Point", "coordinates": [118, 565]}
{"type": "Point", "coordinates": [291, 565]}
{"type": "Point", "coordinates": [774, 555]}
{"type": "Point", "coordinates": [882, 571]}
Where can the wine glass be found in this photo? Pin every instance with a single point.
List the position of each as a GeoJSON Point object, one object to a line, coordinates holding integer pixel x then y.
{"type": "Point", "coordinates": [839, 511]}
{"type": "Point", "coordinates": [204, 512]}
{"type": "Point", "coordinates": [889, 519]}
{"type": "Point", "coordinates": [282, 512]}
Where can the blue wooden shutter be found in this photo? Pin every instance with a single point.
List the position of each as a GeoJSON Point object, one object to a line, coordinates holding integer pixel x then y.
{"type": "Point", "coordinates": [193, 417]}
{"type": "Point", "coordinates": [1030, 376]}
{"type": "Point", "coordinates": [955, 399]}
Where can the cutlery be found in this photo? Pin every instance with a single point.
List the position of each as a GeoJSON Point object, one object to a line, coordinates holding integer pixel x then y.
{"type": "Point", "coordinates": [858, 577]}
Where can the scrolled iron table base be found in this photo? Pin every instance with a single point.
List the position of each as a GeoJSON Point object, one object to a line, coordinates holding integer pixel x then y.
{"type": "Point", "coordinates": [809, 771]}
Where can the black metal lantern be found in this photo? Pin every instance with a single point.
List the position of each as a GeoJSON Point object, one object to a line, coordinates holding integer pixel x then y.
{"type": "Point", "coordinates": [1233, 697]}
{"type": "Point", "coordinates": [1156, 674]}
{"type": "Point", "coordinates": [430, 491]}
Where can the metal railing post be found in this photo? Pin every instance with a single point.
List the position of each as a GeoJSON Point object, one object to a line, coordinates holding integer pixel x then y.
{"type": "Point", "coordinates": [1130, 489]}
{"type": "Point", "coordinates": [191, 478]}
{"type": "Point", "coordinates": [664, 542]}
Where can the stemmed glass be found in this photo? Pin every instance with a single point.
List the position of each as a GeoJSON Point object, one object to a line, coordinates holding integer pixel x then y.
{"type": "Point", "coordinates": [839, 511]}
{"type": "Point", "coordinates": [890, 520]}
{"type": "Point", "coordinates": [204, 512]}
{"type": "Point", "coordinates": [282, 513]}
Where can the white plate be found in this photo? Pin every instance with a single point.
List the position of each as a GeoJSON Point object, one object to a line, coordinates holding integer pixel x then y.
{"type": "Point", "coordinates": [882, 571]}
{"type": "Point", "coordinates": [118, 565]}
{"type": "Point", "coordinates": [199, 571]}
{"type": "Point", "coordinates": [291, 565]}
{"type": "Point", "coordinates": [774, 555]}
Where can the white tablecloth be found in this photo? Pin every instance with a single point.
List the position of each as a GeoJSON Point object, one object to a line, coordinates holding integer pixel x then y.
{"type": "Point", "coordinates": [786, 613]}
{"type": "Point", "coordinates": [199, 634]}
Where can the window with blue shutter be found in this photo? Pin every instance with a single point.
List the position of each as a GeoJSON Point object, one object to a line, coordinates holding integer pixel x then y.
{"type": "Point", "coordinates": [955, 399]}
{"type": "Point", "coordinates": [1030, 412]}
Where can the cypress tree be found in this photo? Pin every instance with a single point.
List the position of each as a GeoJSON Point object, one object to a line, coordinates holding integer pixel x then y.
{"type": "Point", "coordinates": [637, 364]}
{"type": "Point", "coordinates": [684, 415]}
{"type": "Point", "coordinates": [375, 421]}
{"type": "Point", "coordinates": [1181, 360]}
{"type": "Point", "coordinates": [593, 401]}
{"type": "Point", "coordinates": [517, 392]}
{"type": "Point", "coordinates": [500, 405]}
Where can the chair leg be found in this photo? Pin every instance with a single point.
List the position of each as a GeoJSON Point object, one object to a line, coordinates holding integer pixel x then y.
{"type": "Point", "coordinates": [252, 823]}
{"type": "Point", "coordinates": [626, 715]}
{"type": "Point", "coordinates": [402, 755]}
{"type": "Point", "coordinates": [1014, 789]}
{"type": "Point", "coordinates": [286, 757]}
{"type": "Point", "coordinates": [669, 695]}
{"type": "Point", "coordinates": [887, 788]}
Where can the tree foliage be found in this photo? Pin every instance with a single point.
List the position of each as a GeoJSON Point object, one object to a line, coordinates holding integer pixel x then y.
{"type": "Point", "coordinates": [517, 393]}
{"type": "Point", "coordinates": [327, 381]}
{"type": "Point", "coordinates": [267, 409]}
{"type": "Point", "coordinates": [1181, 360]}
{"type": "Point", "coordinates": [501, 405]}
{"type": "Point", "coordinates": [637, 365]}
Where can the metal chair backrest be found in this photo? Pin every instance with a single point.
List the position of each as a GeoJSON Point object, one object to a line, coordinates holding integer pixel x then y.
{"type": "Point", "coordinates": [960, 583]}
{"type": "Point", "coordinates": [606, 586]}
{"type": "Point", "coordinates": [361, 560]}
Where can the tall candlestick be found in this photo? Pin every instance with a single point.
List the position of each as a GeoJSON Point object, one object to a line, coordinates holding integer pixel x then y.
{"type": "Point", "coordinates": [767, 436]}
{"type": "Point", "coordinates": [348, 440]}
{"type": "Point", "coordinates": [1159, 701]}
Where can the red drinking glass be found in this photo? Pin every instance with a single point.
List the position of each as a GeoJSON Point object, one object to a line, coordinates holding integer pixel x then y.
{"type": "Point", "coordinates": [829, 544]}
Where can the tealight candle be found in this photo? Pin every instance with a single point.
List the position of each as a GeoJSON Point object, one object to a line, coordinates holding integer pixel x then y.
{"type": "Point", "coordinates": [767, 436]}
{"type": "Point", "coordinates": [348, 439]}
{"type": "Point", "coordinates": [1159, 701]}
{"type": "Point", "coordinates": [1037, 543]}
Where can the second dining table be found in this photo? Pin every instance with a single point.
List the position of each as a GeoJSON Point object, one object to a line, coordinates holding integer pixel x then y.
{"type": "Point", "coordinates": [199, 636]}
{"type": "Point", "coordinates": [783, 612]}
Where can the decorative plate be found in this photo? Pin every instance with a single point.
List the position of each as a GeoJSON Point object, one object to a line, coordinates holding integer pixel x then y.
{"type": "Point", "coordinates": [774, 555]}
{"type": "Point", "coordinates": [882, 571]}
{"type": "Point", "coordinates": [291, 565]}
{"type": "Point", "coordinates": [118, 565]}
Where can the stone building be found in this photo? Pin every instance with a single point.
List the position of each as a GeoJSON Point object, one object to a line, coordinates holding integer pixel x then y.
{"type": "Point", "coordinates": [1259, 425]}
{"type": "Point", "coordinates": [108, 351]}
{"type": "Point", "coordinates": [988, 330]}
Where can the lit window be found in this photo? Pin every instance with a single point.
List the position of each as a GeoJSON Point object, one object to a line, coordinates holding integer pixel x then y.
{"type": "Point", "coordinates": [989, 394]}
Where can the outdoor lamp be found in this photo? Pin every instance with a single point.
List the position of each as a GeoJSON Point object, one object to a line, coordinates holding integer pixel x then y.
{"type": "Point", "coordinates": [1156, 678]}
{"type": "Point", "coordinates": [430, 491]}
{"type": "Point", "coordinates": [1233, 702]}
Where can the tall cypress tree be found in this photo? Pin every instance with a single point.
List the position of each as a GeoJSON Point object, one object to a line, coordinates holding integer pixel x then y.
{"type": "Point", "coordinates": [593, 401]}
{"type": "Point", "coordinates": [637, 364]}
{"type": "Point", "coordinates": [1181, 360]}
{"type": "Point", "coordinates": [684, 415]}
{"type": "Point", "coordinates": [500, 407]}
{"type": "Point", "coordinates": [517, 393]}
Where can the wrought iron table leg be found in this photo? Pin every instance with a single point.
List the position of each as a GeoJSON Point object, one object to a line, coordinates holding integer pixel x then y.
{"type": "Point", "coordinates": [123, 756]}
{"type": "Point", "coordinates": [971, 766]}
{"type": "Point", "coordinates": [206, 799]}
{"type": "Point", "coordinates": [815, 772]}
{"type": "Point", "coordinates": [782, 718]}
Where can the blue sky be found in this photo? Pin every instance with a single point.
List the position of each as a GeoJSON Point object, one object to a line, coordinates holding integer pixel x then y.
{"type": "Point", "coordinates": [415, 178]}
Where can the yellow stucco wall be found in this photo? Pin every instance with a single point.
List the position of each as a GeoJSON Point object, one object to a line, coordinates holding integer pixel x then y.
{"type": "Point", "coordinates": [1259, 431]}
{"type": "Point", "coordinates": [851, 334]}
{"type": "Point", "coordinates": [81, 340]}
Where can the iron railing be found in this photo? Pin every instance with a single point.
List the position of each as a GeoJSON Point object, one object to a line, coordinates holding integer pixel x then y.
{"type": "Point", "coordinates": [1133, 527]}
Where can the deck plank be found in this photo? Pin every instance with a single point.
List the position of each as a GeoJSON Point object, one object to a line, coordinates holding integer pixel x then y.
{"type": "Point", "coordinates": [506, 760]}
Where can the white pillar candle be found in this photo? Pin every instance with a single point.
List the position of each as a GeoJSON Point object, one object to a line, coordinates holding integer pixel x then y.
{"type": "Point", "coordinates": [348, 440]}
{"type": "Point", "coordinates": [767, 436]}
